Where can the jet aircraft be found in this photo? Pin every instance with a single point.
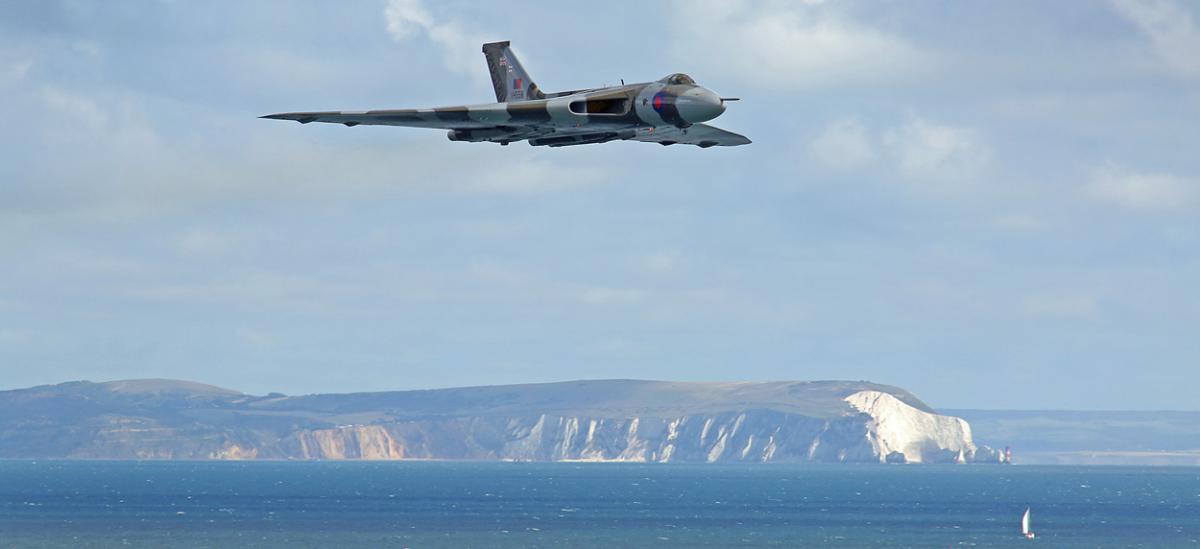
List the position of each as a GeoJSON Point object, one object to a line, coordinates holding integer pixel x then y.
{"type": "Point", "coordinates": [668, 111]}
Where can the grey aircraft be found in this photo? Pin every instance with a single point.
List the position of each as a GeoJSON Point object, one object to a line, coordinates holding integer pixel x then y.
{"type": "Point", "coordinates": [669, 111]}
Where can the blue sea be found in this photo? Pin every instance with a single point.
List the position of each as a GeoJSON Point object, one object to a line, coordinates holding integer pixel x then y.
{"type": "Point", "coordinates": [497, 505]}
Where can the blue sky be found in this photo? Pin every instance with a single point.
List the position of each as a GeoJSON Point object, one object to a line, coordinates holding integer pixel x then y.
{"type": "Point", "coordinates": [992, 204]}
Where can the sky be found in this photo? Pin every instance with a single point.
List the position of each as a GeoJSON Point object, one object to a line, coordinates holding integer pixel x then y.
{"type": "Point", "coordinates": [991, 204]}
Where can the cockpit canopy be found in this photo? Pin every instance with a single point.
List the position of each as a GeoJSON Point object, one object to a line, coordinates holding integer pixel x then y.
{"type": "Point", "coordinates": [678, 79]}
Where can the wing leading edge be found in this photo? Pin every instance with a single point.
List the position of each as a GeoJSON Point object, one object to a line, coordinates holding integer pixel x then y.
{"type": "Point", "coordinates": [449, 118]}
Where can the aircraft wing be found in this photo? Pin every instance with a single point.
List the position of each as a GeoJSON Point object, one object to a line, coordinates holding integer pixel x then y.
{"type": "Point", "coordinates": [449, 118]}
{"type": "Point", "coordinates": [702, 135]}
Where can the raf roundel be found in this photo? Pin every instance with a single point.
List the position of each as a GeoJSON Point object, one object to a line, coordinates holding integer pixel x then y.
{"type": "Point", "coordinates": [658, 101]}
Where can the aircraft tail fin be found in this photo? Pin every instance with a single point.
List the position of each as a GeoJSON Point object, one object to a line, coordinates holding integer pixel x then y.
{"type": "Point", "coordinates": [509, 78]}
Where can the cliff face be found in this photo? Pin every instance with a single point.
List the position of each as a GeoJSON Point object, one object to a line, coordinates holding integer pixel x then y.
{"type": "Point", "coordinates": [903, 432]}
{"type": "Point", "coordinates": [578, 421]}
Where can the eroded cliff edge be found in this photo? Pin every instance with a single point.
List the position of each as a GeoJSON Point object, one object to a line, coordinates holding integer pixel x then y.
{"type": "Point", "coordinates": [605, 420]}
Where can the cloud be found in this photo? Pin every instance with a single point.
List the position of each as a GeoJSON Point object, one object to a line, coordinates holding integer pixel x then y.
{"type": "Point", "coordinates": [529, 177]}
{"type": "Point", "coordinates": [95, 265]}
{"type": "Point", "coordinates": [14, 337]}
{"type": "Point", "coordinates": [844, 144]}
{"type": "Point", "coordinates": [605, 295]}
{"type": "Point", "coordinates": [1171, 29]}
{"type": "Point", "coordinates": [919, 150]}
{"type": "Point", "coordinates": [1061, 305]}
{"type": "Point", "coordinates": [272, 290]}
{"type": "Point", "coordinates": [663, 262]}
{"type": "Point", "coordinates": [495, 228]}
{"type": "Point", "coordinates": [511, 281]}
{"type": "Point", "coordinates": [545, 286]}
{"type": "Point", "coordinates": [927, 151]}
{"type": "Point", "coordinates": [14, 70]}
{"type": "Point", "coordinates": [1018, 222]}
{"type": "Point", "coordinates": [407, 19]}
{"type": "Point", "coordinates": [256, 338]}
{"type": "Point", "coordinates": [81, 109]}
{"type": "Point", "coordinates": [126, 163]}
{"type": "Point", "coordinates": [1143, 191]}
{"type": "Point", "coordinates": [205, 243]}
{"type": "Point", "coordinates": [787, 45]}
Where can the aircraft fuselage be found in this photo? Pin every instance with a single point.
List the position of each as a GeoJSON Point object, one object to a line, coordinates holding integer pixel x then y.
{"type": "Point", "coordinates": [632, 107]}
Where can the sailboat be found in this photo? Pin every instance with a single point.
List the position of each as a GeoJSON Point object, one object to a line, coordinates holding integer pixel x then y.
{"type": "Point", "coordinates": [1025, 531]}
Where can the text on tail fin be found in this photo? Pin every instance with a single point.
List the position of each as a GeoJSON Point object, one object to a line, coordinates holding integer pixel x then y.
{"type": "Point", "coordinates": [509, 78]}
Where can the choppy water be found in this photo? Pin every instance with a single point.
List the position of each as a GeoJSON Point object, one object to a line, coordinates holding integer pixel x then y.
{"type": "Point", "coordinates": [427, 504]}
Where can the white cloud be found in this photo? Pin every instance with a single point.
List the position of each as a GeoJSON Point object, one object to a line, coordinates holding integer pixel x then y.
{"type": "Point", "coordinates": [604, 295]}
{"type": "Point", "coordinates": [93, 122]}
{"type": "Point", "coordinates": [1143, 191]}
{"type": "Point", "coordinates": [787, 45]}
{"type": "Point", "coordinates": [407, 19]}
{"type": "Point", "coordinates": [14, 71]}
{"type": "Point", "coordinates": [256, 338]}
{"type": "Point", "coordinates": [495, 228]}
{"type": "Point", "coordinates": [529, 177]}
{"type": "Point", "coordinates": [932, 152]}
{"type": "Point", "coordinates": [1018, 222]}
{"type": "Point", "coordinates": [205, 243]}
{"type": "Point", "coordinates": [1068, 305]}
{"type": "Point", "coordinates": [258, 289]}
{"type": "Point", "coordinates": [69, 106]}
{"type": "Point", "coordinates": [280, 66]}
{"type": "Point", "coordinates": [512, 281]}
{"type": "Point", "coordinates": [14, 337]}
{"type": "Point", "coordinates": [843, 144]}
{"type": "Point", "coordinates": [663, 262]}
{"type": "Point", "coordinates": [919, 150]}
{"type": "Point", "coordinates": [1171, 29]}
{"type": "Point", "coordinates": [499, 274]}
{"type": "Point", "coordinates": [94, 265]}
{"type": "Point", "coordinates": [125, 163]}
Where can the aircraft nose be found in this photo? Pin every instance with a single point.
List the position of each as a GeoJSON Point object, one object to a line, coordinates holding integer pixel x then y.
{"type": "Point", "coordinates": [699, 105]}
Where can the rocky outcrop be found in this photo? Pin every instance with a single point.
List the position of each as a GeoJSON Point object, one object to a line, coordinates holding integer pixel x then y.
{"type": "Point", "coordinates": [612, 421]}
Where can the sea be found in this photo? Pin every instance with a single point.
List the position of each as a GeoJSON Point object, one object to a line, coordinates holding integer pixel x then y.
{"type": "Point", "coordinates": [499, 505]}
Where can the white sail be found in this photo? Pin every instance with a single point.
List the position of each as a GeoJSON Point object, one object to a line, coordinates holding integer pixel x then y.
{"type": "Point", "coordinates": [1025, 522]}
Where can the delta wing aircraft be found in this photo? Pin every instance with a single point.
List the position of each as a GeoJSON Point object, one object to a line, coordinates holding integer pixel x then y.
{"type": "Point", "coordinates": [669, 111]}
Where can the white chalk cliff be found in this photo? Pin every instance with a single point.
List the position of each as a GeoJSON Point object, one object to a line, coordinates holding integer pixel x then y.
{"type": "Point", "coordinates": [903, 433]}
{"type": "Point", "coordinates": [613, 420]}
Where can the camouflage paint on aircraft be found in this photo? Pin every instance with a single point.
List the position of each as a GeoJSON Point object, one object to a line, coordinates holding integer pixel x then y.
{"type": "Point", "coordinates": [668, 111]}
